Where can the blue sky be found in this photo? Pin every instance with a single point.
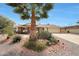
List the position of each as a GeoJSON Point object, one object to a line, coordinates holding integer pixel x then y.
{"type": "Point", "coordinates": [62, 15]}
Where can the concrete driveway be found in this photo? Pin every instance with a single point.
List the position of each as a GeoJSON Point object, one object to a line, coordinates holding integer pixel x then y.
{"type": "Point", "coordinates": [74, 38]}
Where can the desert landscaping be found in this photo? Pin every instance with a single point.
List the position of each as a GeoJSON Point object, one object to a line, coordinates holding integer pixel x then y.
{"type": "Point", "coordinates": [63, 48]}
{"type": "Point", "coordinates": [33, 38]}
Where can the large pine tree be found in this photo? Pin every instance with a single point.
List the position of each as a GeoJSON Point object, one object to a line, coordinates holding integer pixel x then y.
{"type": "Point", "coordinates": [33, 11]}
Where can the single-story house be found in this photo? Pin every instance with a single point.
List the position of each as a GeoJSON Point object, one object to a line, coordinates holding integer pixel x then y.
{"type": "Point", "coordinates": [48, 27]}
{"type": "Point", "coordinates": [70, 29]}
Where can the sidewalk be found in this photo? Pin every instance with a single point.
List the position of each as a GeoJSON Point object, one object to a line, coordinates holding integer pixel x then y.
{"type": "Point", "coordinates": [69, 37]}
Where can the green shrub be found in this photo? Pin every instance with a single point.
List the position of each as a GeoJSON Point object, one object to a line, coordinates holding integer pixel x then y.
{"type": "Point", "coordinates": [47, 36]}
{"type": "Point", "coordinates": [37, 45]}
{"type": "Point", "coordinates": [8, 30]}
{"type": "Point", "coordinates": [16, 39]}
{"type": "Point", "coordinates": [6, 26]}
{"type": "Point", "coordinates": [52, 41]}
{"type": "Point", "coordinates": [44, 35]}
{"type": "Point", "coordinates": [40, 45]}
{"type": "Point", "coordinates": [30, 44]}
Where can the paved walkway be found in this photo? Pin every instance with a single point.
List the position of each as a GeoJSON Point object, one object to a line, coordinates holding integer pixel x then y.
{"type": "Point", "coordinates": [69, 37]}
{"type": "Point", "coordinates": [72, 41]}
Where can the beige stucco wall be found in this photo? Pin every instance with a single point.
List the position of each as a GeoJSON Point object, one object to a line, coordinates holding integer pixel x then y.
{"type": "Point", "coordinates": [73, 30]}
{"type": "Point", "coordinates": [54, 29]}
{"type": "Point", "coordinates": [63, 30]}
{"type": "Point", "coordinates": [70, 30]}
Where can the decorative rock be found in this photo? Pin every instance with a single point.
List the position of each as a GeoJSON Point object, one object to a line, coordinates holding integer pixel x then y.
{"type": "Point", "coordinates": [62, 43]}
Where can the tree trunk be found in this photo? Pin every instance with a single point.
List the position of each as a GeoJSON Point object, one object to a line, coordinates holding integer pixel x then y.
{"type": "Point", "coordinates": [33, 26]}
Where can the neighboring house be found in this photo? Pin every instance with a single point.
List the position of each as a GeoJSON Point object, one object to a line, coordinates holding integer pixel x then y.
{"type": "Point", "coordinates": [70, 29]}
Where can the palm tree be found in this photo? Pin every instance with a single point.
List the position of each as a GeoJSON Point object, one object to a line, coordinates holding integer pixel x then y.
{"type": "Point", "coordinates": [33, 11]}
